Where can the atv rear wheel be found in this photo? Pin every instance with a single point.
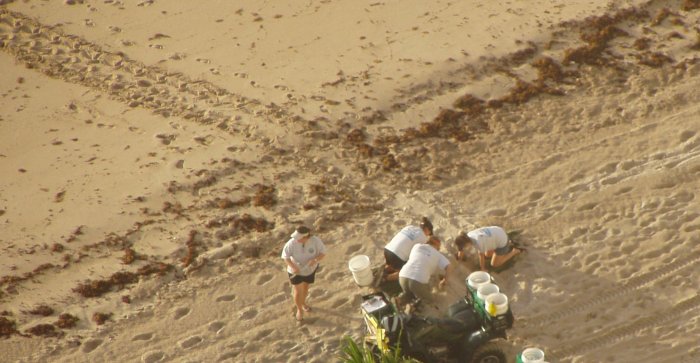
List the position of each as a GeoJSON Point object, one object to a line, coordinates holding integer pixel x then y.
{"type": "Point", "coordinates": [489, 353]}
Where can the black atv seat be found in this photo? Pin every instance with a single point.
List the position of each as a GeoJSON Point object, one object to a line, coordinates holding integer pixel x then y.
{"type": "Point", "coordinates": [452, 326]}
{"type": "Point", "coordinates": [463, 322]}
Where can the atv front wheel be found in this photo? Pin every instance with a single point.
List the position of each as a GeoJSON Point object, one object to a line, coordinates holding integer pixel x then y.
{"type": "Point", "coordinates": [489, 353]}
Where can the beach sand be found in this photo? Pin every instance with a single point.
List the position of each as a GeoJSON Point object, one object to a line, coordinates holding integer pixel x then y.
{"type": "Point", "coordinates": [155, 156]}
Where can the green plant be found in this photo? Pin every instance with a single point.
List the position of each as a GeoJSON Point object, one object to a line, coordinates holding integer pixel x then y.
{"type": "Point", "coordinates": [353, 352]}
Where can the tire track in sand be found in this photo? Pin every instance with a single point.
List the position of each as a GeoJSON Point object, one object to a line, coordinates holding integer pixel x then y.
{"type": "Point", "coordinates": [76, 60]}
{"type": "Point", "coordinates": [600, 298]}
{"type": "Point", "coordinates": [624, 331]}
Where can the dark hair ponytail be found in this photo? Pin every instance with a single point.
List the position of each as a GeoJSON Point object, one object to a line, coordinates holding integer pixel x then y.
{"type": "Point", "coordinates": [425, 224]}
{"type": "Point", "coordinates": [303, 229]}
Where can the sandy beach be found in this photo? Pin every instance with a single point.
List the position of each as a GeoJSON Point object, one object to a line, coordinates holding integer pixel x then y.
{"type": "Point", "coordinates": [156, 155]}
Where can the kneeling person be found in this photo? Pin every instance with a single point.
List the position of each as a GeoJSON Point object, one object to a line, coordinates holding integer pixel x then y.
{"type": "Point", "coordinates": [423, 262]}
{"type": "Point", "coordinates": [397, 250]}
{"type": "Point", "coordinates": [491, 243]}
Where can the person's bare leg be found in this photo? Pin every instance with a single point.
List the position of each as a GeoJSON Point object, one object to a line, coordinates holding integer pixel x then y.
{"type": "Point", "coordinates": [306, 295]}
{"type": "Point", "coordinates": [299, 292]}
{"type": "Point", "coordinates": [497, 260]}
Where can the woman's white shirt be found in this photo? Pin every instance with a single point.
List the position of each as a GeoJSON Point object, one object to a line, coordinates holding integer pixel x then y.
{"type": "Point", "coordinates": [403, 242]}
{"type": "Point", "coordinates": [423, 262]}
{"type": "Point", "coordinates": [302, 253]}
{"type": "Point", "coordinates": [488, 238]}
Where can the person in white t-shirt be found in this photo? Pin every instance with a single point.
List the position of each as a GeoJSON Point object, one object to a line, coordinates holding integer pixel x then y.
{"type": "Point", "coordinates": [491, 243]}
{"type": "Point", "coordinates": [302, 254]}
{"type": "Point", "coordinates": [397, 250]}
{"type": "Point", "coordinates": [424, 261]}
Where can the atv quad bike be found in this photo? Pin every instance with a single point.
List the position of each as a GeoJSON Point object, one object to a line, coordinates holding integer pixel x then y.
{"type": "Point", "coordinates": [467, 334]}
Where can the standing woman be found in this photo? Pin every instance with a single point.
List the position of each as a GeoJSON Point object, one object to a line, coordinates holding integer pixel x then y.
{"type": "Point", "coordinates": [302, 253]}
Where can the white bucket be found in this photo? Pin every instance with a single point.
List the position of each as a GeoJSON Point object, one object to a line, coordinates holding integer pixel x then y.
{"type": "Point", "coordinates": [361, 271]}
{"type": "Point", "coordinates": [496, 304]}
{"type": "Point", "coordinates": [478, 278]}
{"type": "Point", "coordinates": [485, 290]}
{"type": "Point", "coordinates": [532, 355]}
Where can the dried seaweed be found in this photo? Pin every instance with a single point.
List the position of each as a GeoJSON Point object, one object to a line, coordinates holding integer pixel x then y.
{"type": "Point", "coordinates": [264, 196]}
{"type": "Point", "coordinates": [129, 256]}
{"type": "Point", "coordinates": [191, 245]}
{"type": "Point", "coordinates": [356, 136]}
{"type": "Point", "coordinates": [7, 327]}
{"type": "Point", "coordinates": [45, 330]}
{"type": "Point", "coordinates": [654, 59]}
{"type": "Point", "coordinates": [690, 5]}
{"type": "Point", "coordinates": [66, 321]}
{"type": "Point", "coordinates": [43, 310]}
{"type": "Point", "coordinates": [101, 318]}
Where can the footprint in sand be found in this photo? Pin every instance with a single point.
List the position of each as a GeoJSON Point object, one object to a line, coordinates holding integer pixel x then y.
{"type": "Point", "coordinates": [336, 276]}
{"type": "Point", "coordinates": [277, 299]}
{"type": "Point", "coordinates": [316, 293]}
{"type": "Point", "coordinates": [180, 312]}
{"type": "Point", "coordinates": [339, 302]}
{"type": "Point", "coordinates": [629, 164]}
{"type": "Point", "coordinates": [611, 180]}
{"type": "Point", "coordinates": [353, 248]}
{"type": "Point", "coordinates": [153, 357]}
{"type": "Point", "coordinates": [536, 195]}
{"type": "Point", "coordinates": [686, 135]}
{"type": "Point", "coordinates": [497, 212]}
{"type": "Point", "coordinates": [263, 334]}
{"type": "Point", "coordinates": [237, 344]}
{"type": "Point", "coordinates": [190, 342]}
{"type": "Point", "coordinates": [608, 168]}
{"type": "Point", "coordinates": [667, 184]}
{"type": "Point", "coordinates": [284, 345]}
{"type": "Point", "coordinates": [262, 280]}
{"type": "Point", "coordinates": [90, 345]}
{"type": "Point", "coordinates": [142, 336]}
{"type": "Point", "coordinates": [215, 326]}
{"type": "Point", "coordinates": [624, 190]}
{"type": "Point", "coordinates": [228, 356]}
{"type": "Point", "coordinates": [225, 298]}
{"type": "Point", "coordinates": [249, 314]}
{"type": "Point", "coordinates": [587, 206]}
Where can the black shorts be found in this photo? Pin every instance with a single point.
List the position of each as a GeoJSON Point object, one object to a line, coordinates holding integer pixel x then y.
{"type": "Point", "coordinates": [504, 250]}
{"type": "Point", "coordinates": [393, 260]}
{"type": "Point", "coordinates": [297, 279]}
{"type": "Point", "coordinates": [461, 243]}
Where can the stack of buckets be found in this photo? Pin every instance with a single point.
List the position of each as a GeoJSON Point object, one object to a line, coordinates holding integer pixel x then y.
{"type": "Point", "coordinates": [488, 294]}
{"type": "Point", "coordinates": [361, 271]}
{"type": "Point", "coordinates": [531, 355]}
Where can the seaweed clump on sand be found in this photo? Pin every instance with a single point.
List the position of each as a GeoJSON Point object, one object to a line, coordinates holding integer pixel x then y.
{"type": "Point", "coordinates": [191, 245]}
{"type": "Point", "coordinates": [101, 318]}
{"type": "Point", "coordinates": [549, 70]}
{"type": "Point", "coordinates": [8, 327]}
{"type": "Point", "coordinates": [356, 136]}
{"type": "Point", "coordinates": [226, 203]}
{"type": "Point", "coordinates": [43, 310]}
{"type": "Point", "coordinates": [264, 196]}
{"type": "Point", "coordinates": [447, 124]}
{"type": "Point", "coordinates": [654, 59]}
{"type": "Point", "coordinates": [472, 106]}
{"type": "Point", "coordinates": [597, 32]}
{"type": "Point", "coordinates": [239, 225]}
{"type": "Point", "coordinates": [690, 5]}
{"type": "Point", "coordinates": [66, 321]}
{"type": "Point", "coordinates": [129, 256]}
{"type": "Point", "coordinates": [45, 330]}
{"type": "Point", "coordinates": [96, 288]}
